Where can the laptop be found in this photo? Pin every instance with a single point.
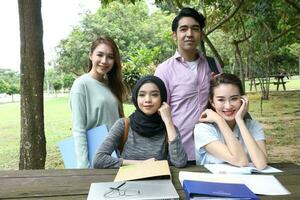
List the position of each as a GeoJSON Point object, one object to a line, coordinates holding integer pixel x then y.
{"type": "Point", "coordinates": [129, 190]}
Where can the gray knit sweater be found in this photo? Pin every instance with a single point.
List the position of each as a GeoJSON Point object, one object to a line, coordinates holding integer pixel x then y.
{"type": "Point", "coordinates": [138, 147]}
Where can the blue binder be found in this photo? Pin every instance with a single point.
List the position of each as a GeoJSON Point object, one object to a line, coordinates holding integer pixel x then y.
{"type": "Point", "coordinates": [95, 137]}
{"type": "Point", "coordinates": [219, 190]}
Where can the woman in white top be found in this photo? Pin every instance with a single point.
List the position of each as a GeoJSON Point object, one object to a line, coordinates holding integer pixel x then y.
{"type": "Point", "coordinates": [224, 134]}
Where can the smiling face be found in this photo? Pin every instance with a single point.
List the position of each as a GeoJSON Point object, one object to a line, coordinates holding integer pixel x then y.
{"type": "Point", "coordinates": [226, 101]}
{"type": "Point", "coordinates": [148, 98]}
{"type": "Point", "coordinates": [102, 61]}
{"type": "Point", "coordinates": [187, 35]}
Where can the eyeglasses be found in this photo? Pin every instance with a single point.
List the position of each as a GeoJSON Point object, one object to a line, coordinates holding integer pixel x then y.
{"type": "Point", "coordinates": [116, 192]}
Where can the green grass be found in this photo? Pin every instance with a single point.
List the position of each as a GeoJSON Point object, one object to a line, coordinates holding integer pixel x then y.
{"type": "Point", "coordinates": [280, 118]}
{"type": "Point", "coordinates": [291, 84]}
{"type": "Point", "coordinates": [57, 127]}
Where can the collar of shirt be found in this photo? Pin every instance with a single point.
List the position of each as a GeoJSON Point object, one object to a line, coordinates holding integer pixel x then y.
{"type": "Point", "coordinates": [178, 57]}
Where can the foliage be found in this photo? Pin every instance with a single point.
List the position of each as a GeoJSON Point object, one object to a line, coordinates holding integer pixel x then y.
{"type": "Point", "coordinates": [55, 79]}
{"type": "Point", "coordinates": [68, 80]}
{"type": "Point", "coordinates": [3, 86]}
{"type": "Point", "coordinates": [144, 40]}
{"type": "Point", "coordinates": [57, 85]}
{"type": "Point", "coordinates": [9, 82]}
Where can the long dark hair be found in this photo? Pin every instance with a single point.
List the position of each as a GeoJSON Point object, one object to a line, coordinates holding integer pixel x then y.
{"type": "Point", "coordinates": [224, 78]}
{"type": "Point", "coordinates": [114, 76]}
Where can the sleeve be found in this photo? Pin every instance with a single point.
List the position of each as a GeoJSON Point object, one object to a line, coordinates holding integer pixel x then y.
{"type": "Point", "coordinates": [256, 130]}
{"type": "Point", "coordinates": [78, 108]}
{"type": "Point", "coordinates": [204, 134]}
{"type": "Point", "coordinates": [160, 73]}
{"type": "Point", "coordinates": [103, 158]}
{"type": "Point", "coordinates": [177, 154]}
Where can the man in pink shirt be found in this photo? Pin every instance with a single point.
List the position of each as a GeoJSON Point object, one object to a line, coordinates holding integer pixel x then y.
{"type": "Point", "coordinates": [186, 76]}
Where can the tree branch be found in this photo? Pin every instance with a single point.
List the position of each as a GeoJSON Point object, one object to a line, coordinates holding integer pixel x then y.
{"type": "Point", "coordinates": [179, 5]}
{"type": "Point", "coordinates": [213, 49]}
{"type": "Point", "coordinates": [240, 2]}
{"type": "Point", "coordinates": [284, 32]}
{"type": "Point", "coordinates": [294, 4]}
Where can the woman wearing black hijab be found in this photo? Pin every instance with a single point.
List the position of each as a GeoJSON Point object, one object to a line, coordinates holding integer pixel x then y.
{"type": "Point", "coordinates": [152, 134]}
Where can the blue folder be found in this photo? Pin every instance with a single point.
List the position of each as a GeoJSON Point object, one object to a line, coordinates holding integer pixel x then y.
{"type": "Point", "coordinates": [95, 137]}
{"type": "Point", "coordinates": [220, 190]}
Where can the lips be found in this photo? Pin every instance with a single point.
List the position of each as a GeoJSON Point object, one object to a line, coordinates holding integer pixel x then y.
{"type": "Point", "coordinates": [229, 113]}
{"type": "Point", "coordinates": [148, 107]}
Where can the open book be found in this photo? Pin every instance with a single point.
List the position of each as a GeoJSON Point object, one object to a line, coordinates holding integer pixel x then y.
{"type": "Point", "coordinates": [225, 168]}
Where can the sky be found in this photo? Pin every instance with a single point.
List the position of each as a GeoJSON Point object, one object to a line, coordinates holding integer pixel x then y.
{"type": "Point", "coordinates": [58, 18]}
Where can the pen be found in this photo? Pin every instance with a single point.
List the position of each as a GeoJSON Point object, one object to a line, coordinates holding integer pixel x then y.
{"type": "Point", "coordinates": [118, 187]}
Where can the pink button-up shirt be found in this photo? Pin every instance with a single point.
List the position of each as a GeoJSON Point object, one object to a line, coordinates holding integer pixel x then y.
{"type": "Point", "coordinates": [187, 95]}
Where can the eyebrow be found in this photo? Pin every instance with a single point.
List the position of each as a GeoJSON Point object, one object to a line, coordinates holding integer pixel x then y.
{"type": "Point", "coordinates": [105, 53]}
{"type": "Point", "coordinates": [150, 91]}
{"type": "Point", "coordinates": [192, 26]}
{"type": "Point", "coordinates": [236, 95]}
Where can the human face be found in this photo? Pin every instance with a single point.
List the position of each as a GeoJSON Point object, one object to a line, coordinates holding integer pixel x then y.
{"type": "Point", "coordinates": [227, 101]}
{"type": "Point", "coordinates": [187, 35]}
{"type": "Point", "coordinates": [149, 99]}
{"type": "Point", "coordinates": [102, 61]}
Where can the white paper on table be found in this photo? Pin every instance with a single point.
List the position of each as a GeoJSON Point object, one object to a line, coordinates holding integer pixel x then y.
{"type": "Point", "coordinates": [224, 168]}
{"type": "Point", "coordinates": [258, 184]}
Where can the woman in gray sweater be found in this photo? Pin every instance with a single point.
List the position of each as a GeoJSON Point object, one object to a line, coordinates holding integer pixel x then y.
{"type": "Point", "coordinates": [152, 134]}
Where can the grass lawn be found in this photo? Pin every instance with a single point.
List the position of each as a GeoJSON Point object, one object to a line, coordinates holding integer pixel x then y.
{"type": "Point", "coordinates": [280, 118]}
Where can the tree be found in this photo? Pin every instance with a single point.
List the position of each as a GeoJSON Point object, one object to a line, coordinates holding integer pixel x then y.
{"type": "Point", "coordinates": [57, 85]}
{"type": "Point", "coordinates": [13, 89]}
{"type": "Point", "coordinates": [3, 86]}
{"type": "Point", "coordinates": [33, 141]}
{"type": "Point", "coordinates": [68, 80]}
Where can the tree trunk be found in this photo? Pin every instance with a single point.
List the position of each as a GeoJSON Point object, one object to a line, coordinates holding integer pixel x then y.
{"type": "Point", "coordinates": [239, 62]}
{"type": "Point", "coordinates": [33, 141]}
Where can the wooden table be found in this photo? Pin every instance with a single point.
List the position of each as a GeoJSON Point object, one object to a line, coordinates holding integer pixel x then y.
{"type": "Point", "coordinates": [75, 183]}
{"type": "Point", "coordinates": [253, 83]}
{"type": "Point", "coordinates": [279, 81]}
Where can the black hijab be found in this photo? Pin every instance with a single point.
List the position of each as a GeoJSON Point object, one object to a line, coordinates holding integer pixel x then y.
{"type": "Point", "coordinates": [148, 125]}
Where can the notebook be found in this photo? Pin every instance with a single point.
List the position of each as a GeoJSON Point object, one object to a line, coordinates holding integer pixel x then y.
{"type": "Point", "coordinates": [215, 190]}
{"type": "Point", "coordinates": [95, 137]}
{"type": "Point", "coordinates": [149, 169]}
{"type": "Point", "coordinates": [128, 190]}
{"type": "Point", "coordinates": [258, 184]}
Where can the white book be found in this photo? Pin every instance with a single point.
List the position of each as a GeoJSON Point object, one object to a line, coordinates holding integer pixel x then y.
{"type": "Point", "coordinates": [225, 168]}
{"type": "Point", "coordinates": [129, 190]}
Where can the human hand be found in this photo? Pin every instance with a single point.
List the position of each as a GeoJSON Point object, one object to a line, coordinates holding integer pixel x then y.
{"type": "Point", "coordinates": [165, 112]}
{"type": "Point", "coordinates": [243, 109]}
{"type": "Point", "coordinates": [209, 115]}
{"type": "Point", "coordinates": [214, 75]}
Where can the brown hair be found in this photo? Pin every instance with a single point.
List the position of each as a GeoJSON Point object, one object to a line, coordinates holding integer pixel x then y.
{"type": "Point", "coordinates": [114, 76]}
